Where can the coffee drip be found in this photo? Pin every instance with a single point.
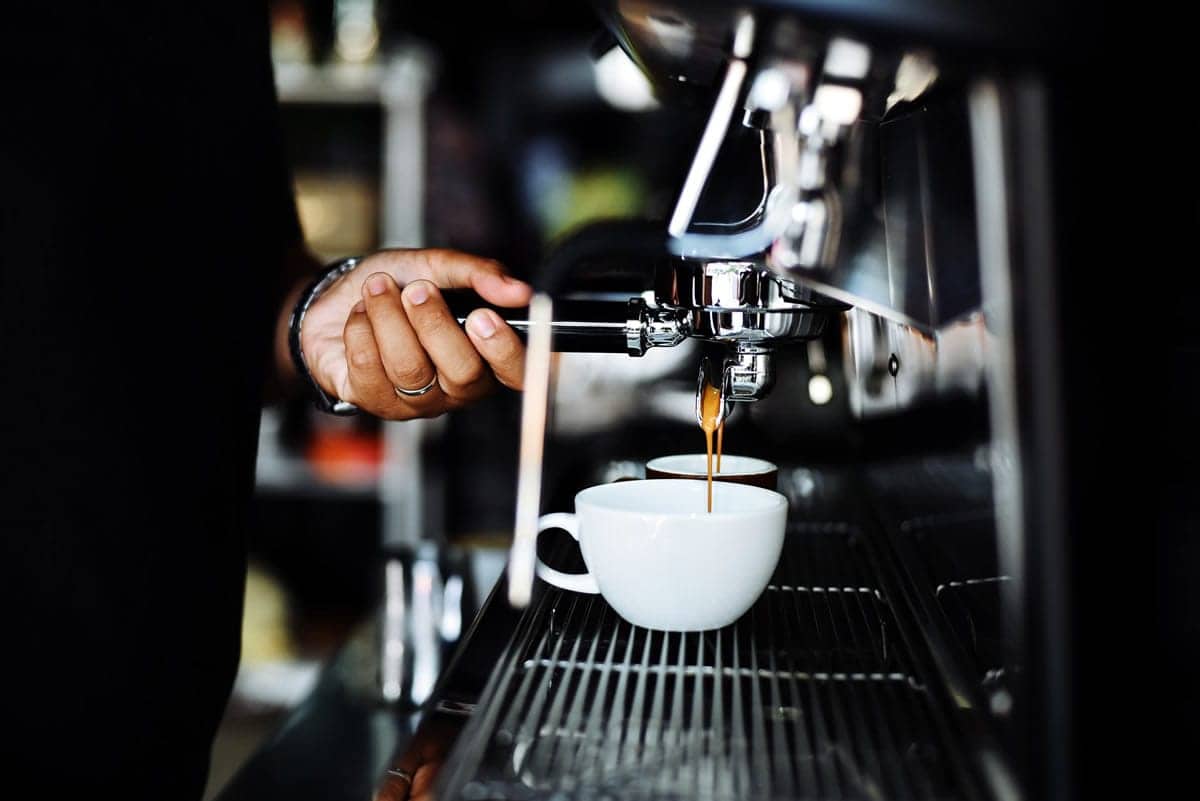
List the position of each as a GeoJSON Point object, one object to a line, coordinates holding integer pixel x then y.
{"type": "Point", "coordinates": [710, 413]}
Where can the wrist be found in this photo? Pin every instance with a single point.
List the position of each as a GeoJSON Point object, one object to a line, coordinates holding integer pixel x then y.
{"type": "Point", "coordinates": [322, 283]}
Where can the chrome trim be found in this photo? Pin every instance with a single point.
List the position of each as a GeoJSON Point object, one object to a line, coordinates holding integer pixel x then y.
{"type": "Point", "coordinates": [749, 373]}
{"type": "Point", "coordinates": [714, 131]}
{"type": "Point", "coordinates": [741, 302]}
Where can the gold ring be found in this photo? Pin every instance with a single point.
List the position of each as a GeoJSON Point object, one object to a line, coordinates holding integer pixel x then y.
{"type": "Point", "coordinates": [416, 393]}
{"type": "Point", "coordinates": [401, 774]}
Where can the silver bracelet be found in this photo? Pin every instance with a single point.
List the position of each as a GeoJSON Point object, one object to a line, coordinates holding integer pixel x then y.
{"type": "Point", "coordinates": [326, 279]}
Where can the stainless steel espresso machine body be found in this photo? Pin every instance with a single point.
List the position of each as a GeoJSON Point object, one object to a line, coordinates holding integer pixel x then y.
{"type": "Point", "coordinates": [872, 178]}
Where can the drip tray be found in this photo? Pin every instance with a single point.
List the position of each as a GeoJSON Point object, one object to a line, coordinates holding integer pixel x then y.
{"type": "Point", "coordinates": [810, 695]}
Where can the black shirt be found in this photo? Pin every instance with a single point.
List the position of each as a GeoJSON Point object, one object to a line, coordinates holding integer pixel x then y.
{"type": "Point", "coordinates": [144, 214]}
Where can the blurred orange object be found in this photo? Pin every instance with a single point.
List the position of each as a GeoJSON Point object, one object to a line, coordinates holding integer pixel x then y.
{"type": "Point", "coordinates": [345, 456]}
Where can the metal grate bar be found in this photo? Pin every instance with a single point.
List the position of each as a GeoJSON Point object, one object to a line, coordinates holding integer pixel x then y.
{"type": "Point", "coordinates": [557, 757]}
{"type": "Point", "coordinates": [672, 734]}
{"type": "Point", "coordinates": [881, 763]}
{"type": "Point", "coordinates": [693, 752]}
{"type": "Point", "coordinates": [614, 729]}
{"type": "Point", "coordinates": [910, 724]}
{"type": "Point", "coordinates": [708, 671]}
{"type": "Point", "coordinates": [528, 730]}
{"type": "Point", "coordinates": [904, 709]}
{"type": "Point", "coordinates": [534, 628]}
{"type": "Point", "coordinates": [840, 739]}
{"type": "Point", "coordinates": [814, 769]}
{"type": "Point", "coordinates": [739, 747]}
{"type": "Point", "coordinates": [512, 719]}
{"type": "Point", "coordinates": [781, 774]}
{"type": "Point", "coordinates": [720, 785]}
{"type": "Point", "coordinates": [654, 727]}
{"type": "Point", "coordinates": [582, 765]}
{"type": "Point", "coordinates": [475, 740]}
{"type": "Point", "coordinates": [761, 761]}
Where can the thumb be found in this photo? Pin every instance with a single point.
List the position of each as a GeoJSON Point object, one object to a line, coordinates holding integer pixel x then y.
{"type": "Point", "coordinates": [452, 269]}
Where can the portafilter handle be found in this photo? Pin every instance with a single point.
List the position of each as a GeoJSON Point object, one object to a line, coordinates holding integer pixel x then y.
{"type": "Point", "coordinates": [586, 325]}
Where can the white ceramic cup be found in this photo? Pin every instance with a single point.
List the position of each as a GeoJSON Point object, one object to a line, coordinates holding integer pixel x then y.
{"type": "Point", "coordinates": [738, 469]}
{"type": "Point", "coordinates": [662, 561]}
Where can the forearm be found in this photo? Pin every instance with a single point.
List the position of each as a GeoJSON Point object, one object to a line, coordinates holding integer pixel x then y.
{"type": "Point", "coordinates": [285, 370]}
{"type": "Point", "coordinates": [301, 268]}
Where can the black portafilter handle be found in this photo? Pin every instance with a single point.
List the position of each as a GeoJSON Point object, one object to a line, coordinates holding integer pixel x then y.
{"type": "Point", "coordinates": [580, 325]}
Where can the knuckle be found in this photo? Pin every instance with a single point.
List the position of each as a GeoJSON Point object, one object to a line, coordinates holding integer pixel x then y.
{"type": "Point", "coordinates": [505, 352]}
{"type": "Point", "coordinates": [362, 357]}
{"type": "Point", "coordinates": [472, 373]}
{"type": "Point", "coordinates": [432, 320]}
{"type": "Point", "coordinates": [468, 393]}
{"type": "Point", "coordinates": [324, 363]}
{"type": "Point", "coordinates": [410, 375]}
{"type": "Point", "coordinates": [461, 373]}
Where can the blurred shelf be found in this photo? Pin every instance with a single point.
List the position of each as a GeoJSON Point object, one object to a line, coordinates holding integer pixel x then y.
{"type": "Point", "coordinates": [400, 81]}
{"type": "Point", "coordinates": [281, 472]}
{"type": "Point", "coordinates": [280, 684]}
{"type": "Point", "coordinates": [294, 476]}
{"type": "Point", "coordinates": [347, 84]}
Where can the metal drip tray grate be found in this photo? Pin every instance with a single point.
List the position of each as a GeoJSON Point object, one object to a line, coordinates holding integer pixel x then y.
{"type": "Point", "coordinates": [809, 695]}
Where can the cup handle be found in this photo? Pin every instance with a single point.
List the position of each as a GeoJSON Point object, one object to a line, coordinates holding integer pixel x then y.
{"type": "Point", "coordinates": [576, 582]}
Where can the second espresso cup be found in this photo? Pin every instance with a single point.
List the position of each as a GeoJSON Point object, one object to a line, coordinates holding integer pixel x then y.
{"type": "Point", "coordinates": [662, 561]}
{"type": "Point", "coordinates": [736, 469]}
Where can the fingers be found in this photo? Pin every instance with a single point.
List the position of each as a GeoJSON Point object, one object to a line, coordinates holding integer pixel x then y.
{"type": "Point", "coordinates": [423, 779]}
{"type": "Point", "coordinates": [419, 341]}
{"type": "Point", "coordinates": [452, 269]}
{"type": "Point", "coordinates": [403, 358]}
{"type": "Point", "coordinates": [394, 788]}
{"type": "Point", "coordinates": [461, 372]}
{"type": "Point", "coordinates": [370, 387]}
{"type": "Point", "coordinates": [498, 344]}
{"type": "Point", "coordinates": [407, 338]}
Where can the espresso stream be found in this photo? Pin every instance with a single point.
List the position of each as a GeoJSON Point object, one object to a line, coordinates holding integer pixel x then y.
{"type": "Point", "coordinates": [710, 411]}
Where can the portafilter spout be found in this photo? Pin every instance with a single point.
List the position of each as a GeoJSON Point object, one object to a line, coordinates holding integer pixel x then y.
{"type": "Point", "coordinates": [748, 311]}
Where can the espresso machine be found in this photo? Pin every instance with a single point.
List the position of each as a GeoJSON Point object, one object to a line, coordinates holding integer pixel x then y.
{"type": "Point", "coordinates": [874, 181]}
{"type": "Point", "coordinates": [870, 203]}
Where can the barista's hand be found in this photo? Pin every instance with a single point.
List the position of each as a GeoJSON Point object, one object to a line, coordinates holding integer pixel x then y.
{"type": "Point", "coordinates": [414, 770]}
{"type": "Point", "coordinates": [385, 326]}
